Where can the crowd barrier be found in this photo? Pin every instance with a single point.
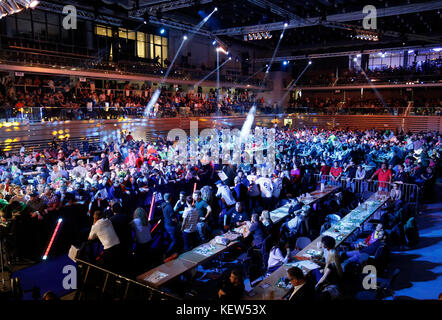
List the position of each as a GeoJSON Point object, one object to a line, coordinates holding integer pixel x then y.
{"type": "Point", "coordinates": [96, 283]}
{"type": "Point", "coordinates": [410, 192]}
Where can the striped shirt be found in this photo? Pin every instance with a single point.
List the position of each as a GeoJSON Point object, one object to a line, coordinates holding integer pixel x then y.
{"type": "Point", "coordinates": [190, 220]}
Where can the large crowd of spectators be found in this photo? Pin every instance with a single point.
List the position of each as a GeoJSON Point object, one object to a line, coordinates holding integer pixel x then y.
{"type": "Point", "coordinates": [423, 72]}
{"type": "Point", "coordinates": [105, 192]}
{"type": "Point", "coordinates": [34, 99]}
{"type": "Point", "coordinates": [396, 106]}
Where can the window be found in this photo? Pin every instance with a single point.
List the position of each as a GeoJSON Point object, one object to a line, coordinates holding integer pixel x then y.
{"type": "Point", "coordinates": [141, 44]}
{"type": "Point", "coordinates": [104, 31]}
{"type": "Point", "coordinates": [122, 33]}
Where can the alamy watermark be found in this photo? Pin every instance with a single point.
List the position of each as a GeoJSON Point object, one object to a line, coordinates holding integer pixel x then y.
{"type": "Point", "coordinates": [70, 20]}
{"type": "Point", "coordinates": [370, 280]}
{"type": "Point", "coordinates": [70, 280]}
{"type": "Point", "coordinates": [370, 20]}
{"type": "Point", "coordinates": [226, 146]}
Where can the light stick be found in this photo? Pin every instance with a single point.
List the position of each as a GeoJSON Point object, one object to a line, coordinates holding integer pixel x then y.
{"type": "Point", "coordinates": [194, 189]}
{"type": "Point", "coordinates": [159, 221]}
{"type": "Point", "coordinates": [52, 239]}
{"type": "Point", "coordinates": [152, 204]}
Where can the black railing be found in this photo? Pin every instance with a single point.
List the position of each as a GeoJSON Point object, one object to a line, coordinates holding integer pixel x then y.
{"type": "Point", "coordinates": [98, 284]}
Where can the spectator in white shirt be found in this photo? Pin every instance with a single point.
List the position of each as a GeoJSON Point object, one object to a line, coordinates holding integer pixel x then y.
{"type": "Point", "coordinates": [141, 225]}
{"type": "Point", "coordinates": [103, 229]}
{"type": "Point", "coordinates": [279, 255]}
{"type": "Point", "coordinates": [190, 221]}
{"type": "Point", "coordinates": [225, 194]}
{"type": "Point", "coordinates": [266, 187]}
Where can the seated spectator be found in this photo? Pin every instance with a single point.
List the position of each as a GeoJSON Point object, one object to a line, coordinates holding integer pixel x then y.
{"type": "Point", "coordinates": [232, 289]}
{"type": "Point", "coordinates": [303, 286]}
{"type": "Point", "coordinates": [279, 255]}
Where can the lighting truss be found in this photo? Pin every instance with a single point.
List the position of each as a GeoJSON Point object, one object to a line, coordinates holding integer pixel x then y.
{"type": "Point", "coordinates": [8, 7]}
{"type": "Point", "coordinates": [257, 36]}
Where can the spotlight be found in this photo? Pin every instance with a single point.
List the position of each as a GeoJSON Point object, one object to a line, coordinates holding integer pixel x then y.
{"type": "Point", "coordinates": [216, 9]}
{"type": "Point", "coordinates": [34, 3]}
{"type": "Point", "coordinates": [286, 25]}
{"type": "Point", "coordinates": [162, 31]}
{"type": "Point", "coordinates": [355, 59]}
{"type": "Point", "coordinates": [310, 62]}
{"type": "Point", "coordinates": [214, 43]}
{"type": "Point", "coordinates": [185, 37]}
{"type": "Point", "coordinates": [285, 63]}
{"type": "Point", "coordinates": [230, 58]}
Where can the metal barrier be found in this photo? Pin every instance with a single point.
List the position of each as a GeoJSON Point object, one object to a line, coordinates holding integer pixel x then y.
{"type": "Point", "coordinates": [96, 283]}
{"type": "Point", "coordinates": [410, 192]}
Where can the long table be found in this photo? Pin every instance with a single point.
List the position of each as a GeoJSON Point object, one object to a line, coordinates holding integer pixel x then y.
{"type": "Point", "coordinates": [282, 212]}
{"type": "Point", "coordinates": [267, 289]}
{"type": "Point", "coordinates": [168, 271]}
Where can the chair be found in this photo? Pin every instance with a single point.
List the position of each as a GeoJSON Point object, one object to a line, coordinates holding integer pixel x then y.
{"type": "Point", "coordinates": [380, 259]}
{"type": "Point", "coordinates": [302, 242]}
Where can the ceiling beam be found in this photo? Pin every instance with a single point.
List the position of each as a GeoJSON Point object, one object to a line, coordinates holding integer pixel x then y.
{"type": "Point", "coordinates": [342, 17]}
{"type": "Point", "coordinates": [340, 54]}
{"type": "Point", "coordinates": [276, 9]}
{"type": "Point", "coordinates": [82, 14]}
{"type": "Point", "coordinates": [166, 6]}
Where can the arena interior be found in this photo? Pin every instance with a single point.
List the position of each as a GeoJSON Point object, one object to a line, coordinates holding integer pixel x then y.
{"type": "Point", "coordinates": [199, 150]}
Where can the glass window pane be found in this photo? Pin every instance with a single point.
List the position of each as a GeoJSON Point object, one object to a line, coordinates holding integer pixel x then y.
{"type": "Point", "coordinates": [122, 33]}
{"type": "Point", "coordinates": [158, 40]}
{"type": "Point", "coordinates": [24, 26]}
{"type": "Point", "coordinates": [38, 15]}
{"type": "Point", "coordinates": [100, 30]}
{"type": "Point", "coordinates": [53, 32]}
{"type": "Point", "coordinates": [151, 51]}
{"type": "Point", "coordinates": [52, 18]}
{"type": "Point", "coordinates": [164, 41]}
{"type": "Point", "coordinates": [11, 25]}
{"type": "Point", "coordinates": [141, 49]}
{"type": "Point", "coordinates": [157, 53]}
{"type": "Point", "coordinates": [141, 36]}
{"type": "Point", "coordinates": [39, 30]}
{"type": "Point", "coordinates": [131, 35]}
{"type": "Point", "coordinates": [164, 53]}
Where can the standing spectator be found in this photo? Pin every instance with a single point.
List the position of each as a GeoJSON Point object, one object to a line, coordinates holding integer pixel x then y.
{"type": "Point", "coordinates": [189, 229]}
{"type": "Point", "coordinates": [170, 224]}
{"type": "Point", "coordinates": [384, 177]}
{"type": "Point", "coordinates": [141, 226]}
{"type": "Point", "coordinates": [103, 229]}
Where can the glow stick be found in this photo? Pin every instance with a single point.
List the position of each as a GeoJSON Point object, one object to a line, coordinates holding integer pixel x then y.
{"type": "Point", "coordinates": [151, 207]}
{"type": "Point", "coordinates": [159, 221]}
{"type": "Point", "coordinates": [52, 239]}
{"type": "Point", "coordinates": [194, 189]}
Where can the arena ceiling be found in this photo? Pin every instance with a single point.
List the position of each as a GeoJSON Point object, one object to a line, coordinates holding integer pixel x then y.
{"type": "Point", "coordinates": [312, 25]}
